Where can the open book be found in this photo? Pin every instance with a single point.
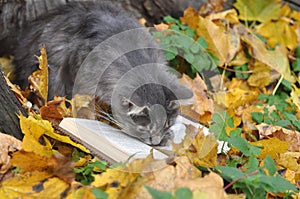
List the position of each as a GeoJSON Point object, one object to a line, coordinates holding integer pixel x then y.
{"type": "Point", "coordinates": [112, 144]}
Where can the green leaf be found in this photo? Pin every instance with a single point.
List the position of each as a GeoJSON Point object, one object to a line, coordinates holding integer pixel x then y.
{"type": "Point", "coordinates": [218, 127]}
{"type": "Point", "coordinates": [252, 164]}
{"type": "Point", "coordinates": [289, 116]}
{"type": "Point", "coordinates": [235, 133]}
{"type": "Point", "coordinates": [183, 193]}
{"type": "Point", "coordinates": [287, 85]}
{"type": "Point", "coordinates": [201, 41]}
{"type": "Point", "coordinates": [263, 97]}
{"type": "Point", "coordinates": [189, 57]}
{"type": "Point", "coordinates": [297, 51]}
{"type": "Point", "coordinates": [258, 117]}
{"type": "Point", "coordinates": [170, 19]}
{"type": "Point", "coordinates": [283, 123]}
{"type": "Point", "coordinates": [158, 194]}
{"type": "Point", "coordinates": [296, 65]}
{"type": "Point", "coordinates": [270, 165]}
{"type": "Point", "coordinates": [230, 173]}
{"type": "Point", "coordinates": [243, 145]}
{"type": "Point", "coordinates": [99, 194]}
{"type": "Point", "coordinates": [276, 184]}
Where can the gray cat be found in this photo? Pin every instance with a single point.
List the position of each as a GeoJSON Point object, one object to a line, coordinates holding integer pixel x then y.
{"type": "Point", "coordinates": [96, 48]}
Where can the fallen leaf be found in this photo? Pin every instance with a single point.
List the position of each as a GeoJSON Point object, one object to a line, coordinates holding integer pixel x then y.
{"type": "Point", "coordinates": [8, 144]}
{"type": "Point", "coordinates": [286, 135]}
{"type": "Point", "coordinates": [57, 165]}
{"type": "Point", "coordinates": [211, 6]}
{"type": "Point", "coordinates": [202, 106]}
{"type": "Point", "coordinates": [182, 174]}
{"type": "Point", "coordinates": [39, 79]}
{"type": "Point", "coordinates": [280, 31]}
{"type": "Point", "coordinates": [200, 149]}
{"type": "Point", "coordinates": [34, 131]}
{"type": "Point", "coordinates": [276, 59]}
{"type": "Point", "coordinates": [56, 109]}
{"type": "Point", "coordinates": [263, 10]}
{"type": "Point", "coordinates": [33, 185]}
{"type": "Point", "coordinates": [271, 147]}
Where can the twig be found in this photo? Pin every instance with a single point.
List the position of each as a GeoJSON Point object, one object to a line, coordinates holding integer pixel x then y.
{"type": "Point", "coordinates": [236, 71]}
{"type": "Point", "coordinates": [247, 175]}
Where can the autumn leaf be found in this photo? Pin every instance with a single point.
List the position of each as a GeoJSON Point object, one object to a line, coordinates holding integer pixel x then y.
{"type": "Point", "coordinates": [35, 185]}
{"type": "Point", "coordinates": [8, 144]}
{"type": "Point", "coordinates": [35, 129]}
{"type": "Point", "coordinates": [39, 78]}
{"type": "Point", "coordinates": [263, 10]}
{"type": "Point", "coordinates": [280, 31]}
{"type": "Point", "coordinates": [276, 59]}
{"type": "Point", "coordinates": [56, 109]}
{"type": "Point", "coordinates": [200, 149]}
{"type": "Point", "coordinates": [271, 147]}
{"type": "Point", "coordinates": [182, 174]}
{"type": "Point", "coordinates": [282, 134]}
{"type": "Point", "coordinates": [202, 106]}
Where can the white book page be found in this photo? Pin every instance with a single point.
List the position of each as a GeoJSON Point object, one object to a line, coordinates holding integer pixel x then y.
{"type": "Point", "coordinates": [107, 139]}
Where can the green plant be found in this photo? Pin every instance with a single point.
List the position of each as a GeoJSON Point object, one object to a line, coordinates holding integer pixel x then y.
{"type": "Point", "coordinates": [180, 193]}
{"type": "Point", "coordinates": [180, 43]}
{"type": "Point", "coordinates": [282, 113]}
{"type": "Point", "coordinates": [85, 174]}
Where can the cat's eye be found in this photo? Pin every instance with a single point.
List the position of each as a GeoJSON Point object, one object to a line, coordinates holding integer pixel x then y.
{"type": "Point", "coordinates": [141, 120]}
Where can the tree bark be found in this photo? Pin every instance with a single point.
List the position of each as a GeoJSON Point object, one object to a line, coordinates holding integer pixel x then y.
{"type": "Point", "coordinates": [10, 107]}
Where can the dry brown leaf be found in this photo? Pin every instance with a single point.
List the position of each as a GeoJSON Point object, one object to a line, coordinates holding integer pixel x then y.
{"type": "Point", "coordinates": [56, 109]}
{"type": "Point", "coordinates": [57, 165]}
{"type": "Point", "coordinates": [202, 107]}
{"type": "Point", "coordinates": [182, 174]}
{"type": "Point", "coordinates": [200, 149]}
{"type": "Point", "coordinates": [211, 6]}
{"type": "Point", "coordinates": [8, 144]}
{"type": "Point", "coordinates": [39, 79]}
{"type": "Point", "coordinates": [291, 136]}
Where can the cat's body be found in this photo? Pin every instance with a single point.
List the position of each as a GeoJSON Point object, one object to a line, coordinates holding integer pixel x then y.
{"type": "Point", "coordinates": [80, 40]}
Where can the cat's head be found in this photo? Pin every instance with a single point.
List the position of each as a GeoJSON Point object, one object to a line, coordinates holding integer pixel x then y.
{"type": "Point", "coordinates": [150, 115]}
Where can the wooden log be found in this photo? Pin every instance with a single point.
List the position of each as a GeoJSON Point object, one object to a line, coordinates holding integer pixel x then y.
{"type": "Point", "coordinates": [10, 107]}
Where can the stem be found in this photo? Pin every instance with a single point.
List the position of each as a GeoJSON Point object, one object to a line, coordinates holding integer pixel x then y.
{"type": "Point", "coordinates": [277, 85]}
{"type": "Point", "coordinates": [247, 175]}
{"type": "Point", "coordinates": [236, 71]}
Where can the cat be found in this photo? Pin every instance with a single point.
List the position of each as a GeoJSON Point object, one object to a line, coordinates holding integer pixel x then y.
{"type": "Point", "coordinates": [97, 48]}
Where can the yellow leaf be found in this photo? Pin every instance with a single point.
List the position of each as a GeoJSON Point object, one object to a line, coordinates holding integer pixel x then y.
{"type": "Point", "coordinates": [181, 174]}
{"type": "Point", "coordinates": [39, 78]}
{"type": "Point", "coordinates": [261, 76]}
{"type": "Point", "coordinates": [271, 147]}
{"type": "Point", "coordinates": [259, 10]}
{"type": "Point", "coordinates": [222, 42]}
{"type": "Point", "coordinates": [280, 31]}
{"type": "Point", "coordinates": [33, 185]}
{"type": "Point", "coordinates": [34, 129]}
{"type": "Point", "coordinates": [276, 59]}
{"type": "Point", "coordinates": [200, 149]}
{"type": "Point", "coordinates": [295, 95]}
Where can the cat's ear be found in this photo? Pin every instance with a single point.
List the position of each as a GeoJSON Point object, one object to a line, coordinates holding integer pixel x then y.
{"type": "Point", "coordinates": [134, 109]}
{"type": "Point", "coordinates": [181, 92]}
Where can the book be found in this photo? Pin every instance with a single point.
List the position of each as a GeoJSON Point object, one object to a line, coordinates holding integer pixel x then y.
{"type": "Point", "coordinates": [113, 145]}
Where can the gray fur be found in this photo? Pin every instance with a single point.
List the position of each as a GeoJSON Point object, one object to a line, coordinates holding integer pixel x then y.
{"type": "Point", "coordinates": [86, 54]}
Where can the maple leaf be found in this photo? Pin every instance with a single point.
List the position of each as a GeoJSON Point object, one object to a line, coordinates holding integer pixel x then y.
{"type": "Point", "coordinates": [263, 10]}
